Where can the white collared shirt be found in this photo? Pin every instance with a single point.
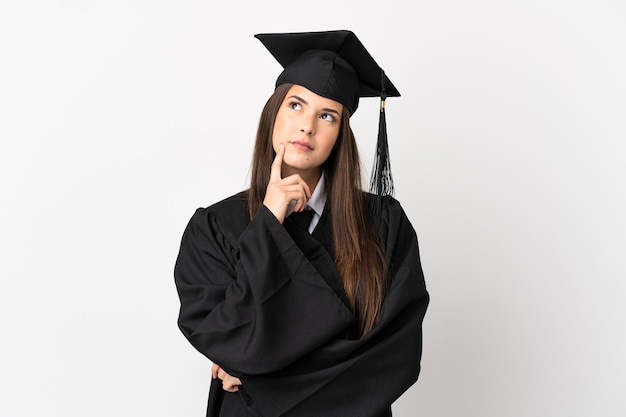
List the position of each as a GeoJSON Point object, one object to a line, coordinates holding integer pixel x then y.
{"type": "Point", "coordinates": [315, 203]}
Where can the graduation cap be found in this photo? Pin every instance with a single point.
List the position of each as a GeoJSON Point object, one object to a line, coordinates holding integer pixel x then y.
{"type": "Point", "coordinates": [336, 65]}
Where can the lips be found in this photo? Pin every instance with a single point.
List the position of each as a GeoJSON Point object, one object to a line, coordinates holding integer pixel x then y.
{"type": "Point", "coordinates": [301, 145]}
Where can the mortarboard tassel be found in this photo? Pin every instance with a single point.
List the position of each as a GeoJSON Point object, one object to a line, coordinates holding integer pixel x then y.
{"type": "Point", "coordinates": [381, 183]}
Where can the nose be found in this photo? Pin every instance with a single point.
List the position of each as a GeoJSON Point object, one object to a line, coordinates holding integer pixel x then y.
{"type": "Point", "coordinates": [308, 125]}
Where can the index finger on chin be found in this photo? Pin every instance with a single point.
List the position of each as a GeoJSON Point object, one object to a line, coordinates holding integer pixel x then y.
{"type": "Point", "coordinates": [276, 167]}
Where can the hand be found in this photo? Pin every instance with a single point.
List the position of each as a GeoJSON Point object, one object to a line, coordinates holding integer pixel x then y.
{"type": "Point", "coordinates": [282, 191]}
{"type": "Point", "coordinates": [229, 383]}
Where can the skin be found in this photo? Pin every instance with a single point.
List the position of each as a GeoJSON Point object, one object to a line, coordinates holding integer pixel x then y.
{"type": "Point", "coordinates": [305, 132]}
{"type": "Point", "coordinates": [229, 383]}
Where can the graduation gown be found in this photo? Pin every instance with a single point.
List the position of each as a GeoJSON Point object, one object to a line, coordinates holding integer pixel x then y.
{"type": "Point", "coordinates": [264, 301]}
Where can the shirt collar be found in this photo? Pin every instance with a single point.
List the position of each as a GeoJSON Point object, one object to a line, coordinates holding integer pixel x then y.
{"type": "Point", "coordinates": [318, 198]}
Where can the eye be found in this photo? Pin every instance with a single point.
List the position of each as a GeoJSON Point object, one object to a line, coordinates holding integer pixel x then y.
{"type": "Point", "coordinates": [295, 105]}
{"type": "Point", "coordinates": [328, 117]}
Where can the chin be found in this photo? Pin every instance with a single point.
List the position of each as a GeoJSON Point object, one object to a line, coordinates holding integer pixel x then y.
{"type": "Point", "coordinates": [301, 165]}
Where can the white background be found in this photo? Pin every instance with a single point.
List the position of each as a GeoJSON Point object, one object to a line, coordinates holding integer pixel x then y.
{"type": "Point", "coordinates": [119, 118]}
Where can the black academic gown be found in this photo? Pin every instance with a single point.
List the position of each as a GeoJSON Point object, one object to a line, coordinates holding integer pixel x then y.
{"type": "Point", "coordinates": [265, 302]}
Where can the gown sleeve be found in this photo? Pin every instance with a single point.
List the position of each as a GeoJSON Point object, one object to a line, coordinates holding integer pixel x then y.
{"type": "Point", "coordinates": [256, 305]}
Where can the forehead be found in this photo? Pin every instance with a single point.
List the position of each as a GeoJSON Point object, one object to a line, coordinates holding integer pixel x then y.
{"type": "Point", "coordinates": [312, 98]}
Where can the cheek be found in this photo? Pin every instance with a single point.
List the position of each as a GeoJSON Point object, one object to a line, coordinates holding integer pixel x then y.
{"type": "Point", "coordinates": [279, 132]}
{"type": "Point", "coordinates": [276, 138]}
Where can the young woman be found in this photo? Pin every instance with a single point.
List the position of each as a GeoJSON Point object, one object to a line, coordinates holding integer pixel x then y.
{"type": "Point", "coordinates": [321, 318]}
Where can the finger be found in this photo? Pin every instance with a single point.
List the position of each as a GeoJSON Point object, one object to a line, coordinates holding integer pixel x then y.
{"type": "Point", "coordinates": [297, 195]}
{"type": "Point", "coordinates": [230, 387]}
{"type": "Point", "coordinates": [307, 190]}
{"type": "Point", "coordinates": [297, 179]}
{"type": "Point", "coordinates": [275, 173]}
{"type": "Point", "coordinates": [231, 384]}
{"type": "Point", "coordinates": [214, 369]}
{"type": "Point", "coordinates": [299, 205]}
{"type": "Point", "coordinates": [228, 384]}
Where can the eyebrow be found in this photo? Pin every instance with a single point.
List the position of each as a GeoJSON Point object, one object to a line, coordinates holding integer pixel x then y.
{"type": "Point", "coordinates": [326, 109]}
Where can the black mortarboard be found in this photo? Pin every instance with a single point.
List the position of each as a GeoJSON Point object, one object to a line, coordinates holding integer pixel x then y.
{"type": "Point", "coordinates": [336, 65]}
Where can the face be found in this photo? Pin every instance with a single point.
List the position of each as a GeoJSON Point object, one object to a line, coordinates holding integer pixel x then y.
{"type": "Point", "coordinates": [308, 125]}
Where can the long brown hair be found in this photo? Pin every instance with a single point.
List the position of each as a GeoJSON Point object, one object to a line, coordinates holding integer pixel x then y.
{"type": "Point", "coordinates": [358, 255]}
